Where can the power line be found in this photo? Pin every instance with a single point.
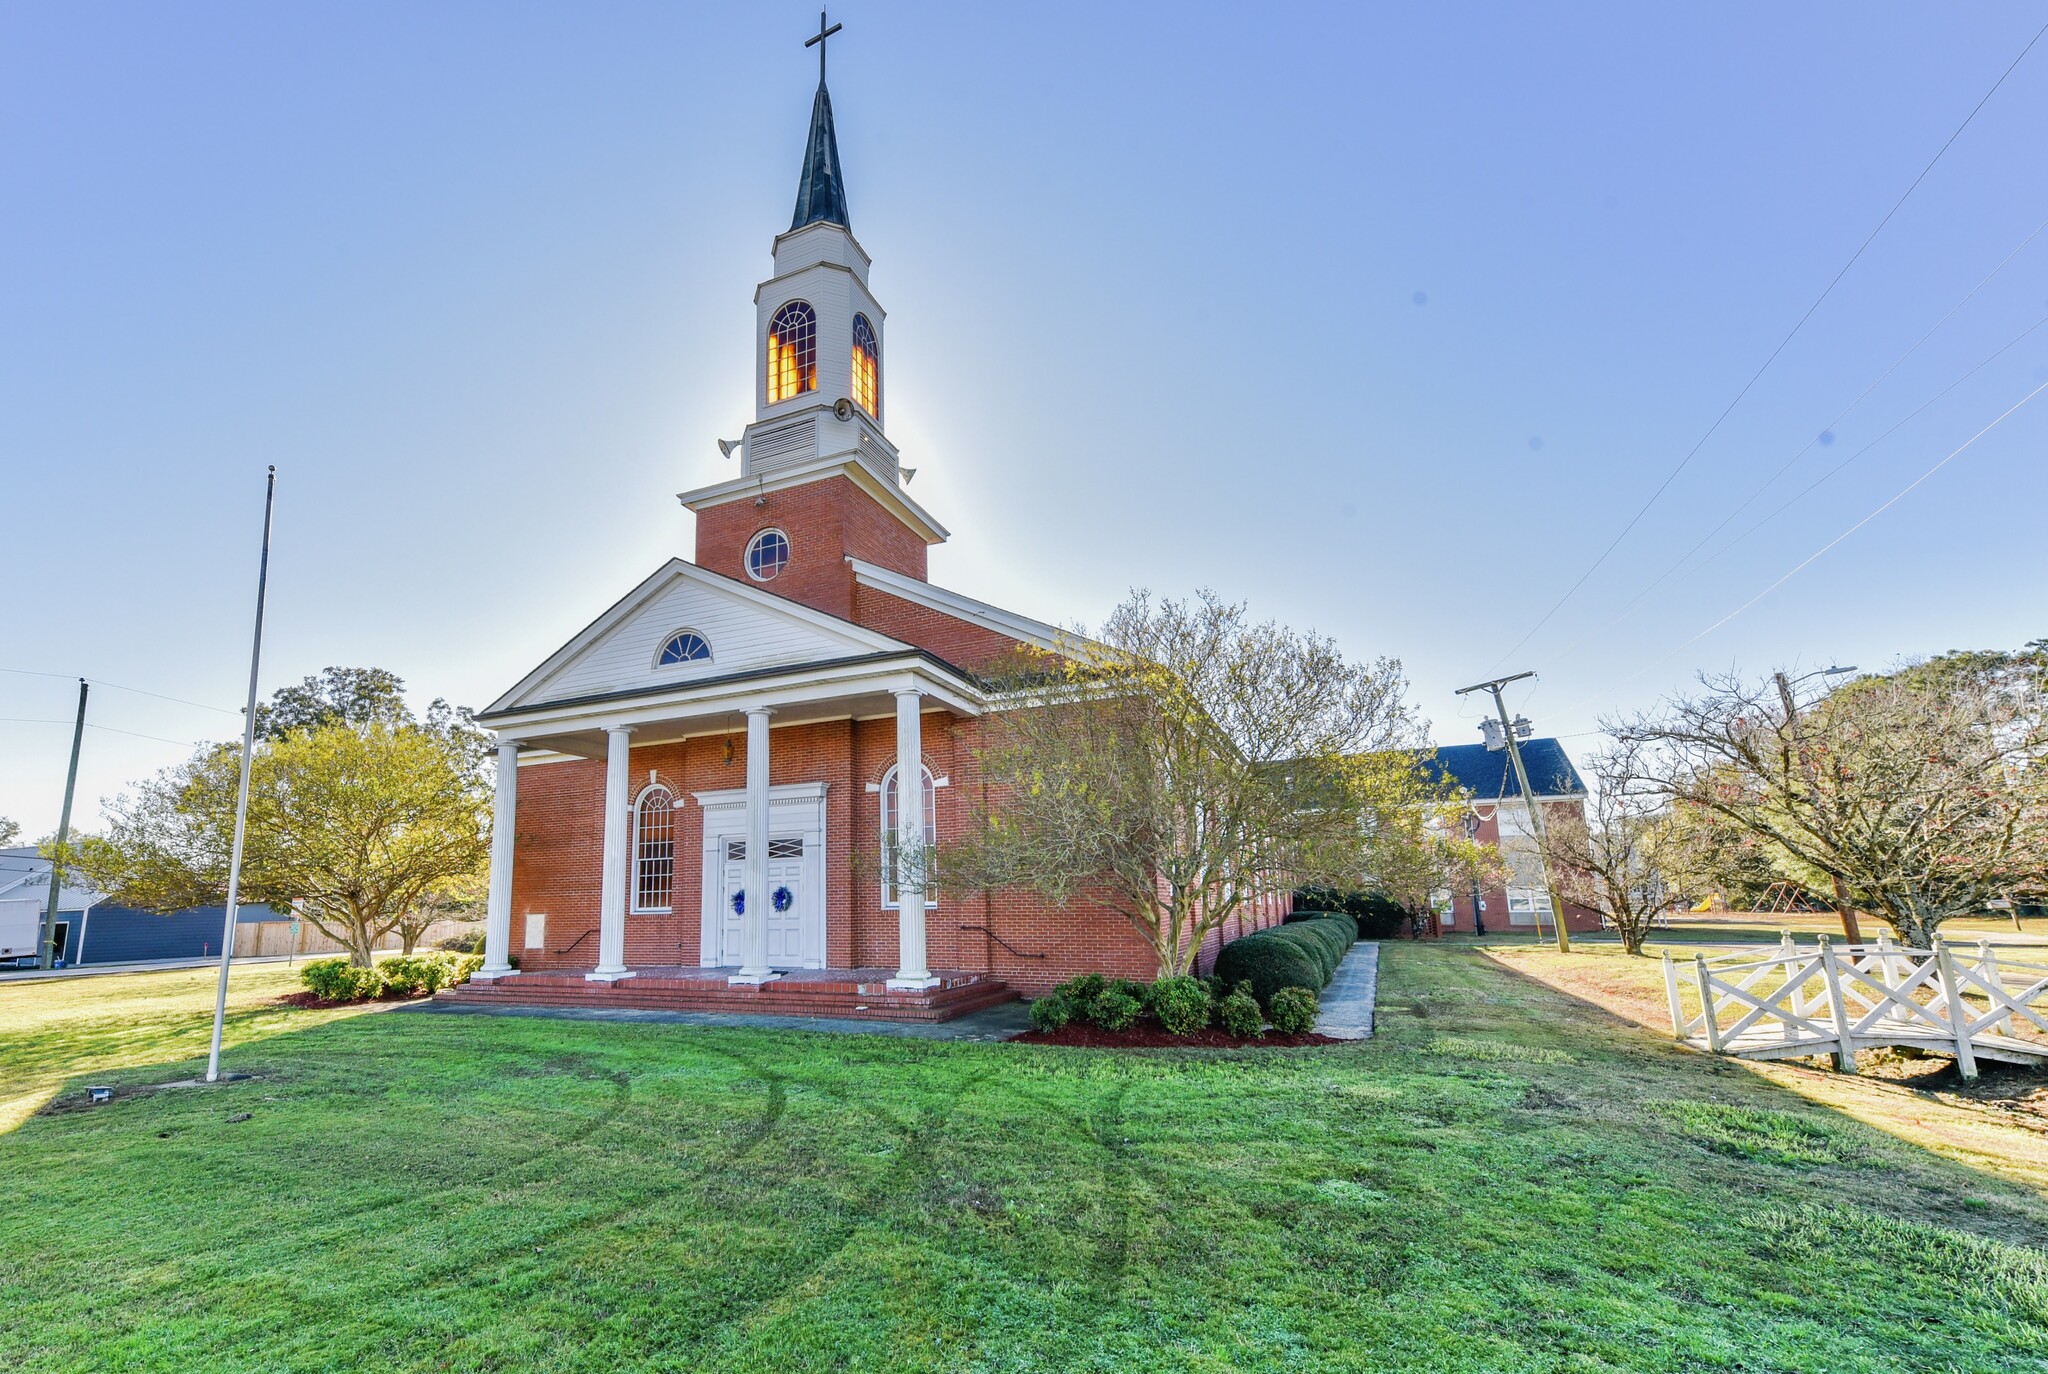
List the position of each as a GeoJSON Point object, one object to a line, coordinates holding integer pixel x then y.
{"type": "Point", "coordinates": [90, 725]}
{"type": "Point", "coordinates": [1816, 555]}
{"type": "Point", "coordinates": [1802, 493]}
{"type": "Point", "coordinates": [119, 687]}
{"type": "Point", "coordinates": [1672, 476]}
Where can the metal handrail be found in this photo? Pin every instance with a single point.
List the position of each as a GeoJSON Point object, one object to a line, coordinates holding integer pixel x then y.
{"type": "Point", "coordinates": [570, 947]}
{"type": "Point", "coordinates": [1004, 943]}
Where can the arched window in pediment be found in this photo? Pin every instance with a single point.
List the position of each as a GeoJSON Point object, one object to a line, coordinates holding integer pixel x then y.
{"type": "Point", "coordinates": [684, 646]}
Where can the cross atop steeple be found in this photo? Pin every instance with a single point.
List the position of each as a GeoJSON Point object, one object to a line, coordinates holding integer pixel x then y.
{"type": "Point", "coordinates": [821, 192]}
{"type": "Point", "coordinates": [819, 38]}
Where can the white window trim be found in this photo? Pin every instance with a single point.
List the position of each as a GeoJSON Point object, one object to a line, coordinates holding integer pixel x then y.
{"type": "Point", "coordinates": [710, 654]}
{"type": "Point", "coordinates": [675, 804]}
{"type": "Point", "coordinates": [747, 558]}
{"type": "Point", "coordinates": [881, 789]}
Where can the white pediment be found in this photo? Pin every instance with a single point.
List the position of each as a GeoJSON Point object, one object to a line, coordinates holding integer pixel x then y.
{"type": "Point", "coordinates": [747, 629]}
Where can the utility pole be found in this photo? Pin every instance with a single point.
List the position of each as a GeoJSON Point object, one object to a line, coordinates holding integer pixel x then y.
{"type": "Point", "coordinates": [46, 947]}
{"type": "Point", "coordinates": [1850, 927]}
{"type": "Point", "coordinates": [1564, 939]}
{"type": "Point", "coordinates": [227, 939]}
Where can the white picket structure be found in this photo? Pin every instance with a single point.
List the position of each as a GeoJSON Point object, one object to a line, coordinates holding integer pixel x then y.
{"type": "Point", "coordinates": [1783, 1002]}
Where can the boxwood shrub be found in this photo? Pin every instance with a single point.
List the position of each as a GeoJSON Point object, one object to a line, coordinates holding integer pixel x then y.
{"type": "Point", "coordinates": [1379, 916]}
{"type": "Point", "coordinates": [408, 975]}
{"type": "Point", "coordinates": [1239, 1014]}
{"type": "Point", "coordinates": [1304, 954]}
{"type": "Point", "coordinates": [1182, 1005]}
{"type": "Point", "coordinates": [337, 980]}
{"type": "Point", "coordinates": [1294, 1011]}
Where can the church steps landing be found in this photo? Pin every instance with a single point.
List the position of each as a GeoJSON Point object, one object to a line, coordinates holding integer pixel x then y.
{"type": "Point", "coordinates": [851, 993]}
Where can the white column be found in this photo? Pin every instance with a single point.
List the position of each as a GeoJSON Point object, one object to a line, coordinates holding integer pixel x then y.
{"type": "Point", "coordinates": [618, 826]}
{"type": "Point", "coordinates": [911, 972]}
{"type": "Point", "coordinates": [504, 820]}
{"type": "Point", "coordinates": [754, 920]}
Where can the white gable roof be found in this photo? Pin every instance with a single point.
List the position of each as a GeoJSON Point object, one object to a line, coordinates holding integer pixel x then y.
{"type": "Point", "coordinates": [747, 629]}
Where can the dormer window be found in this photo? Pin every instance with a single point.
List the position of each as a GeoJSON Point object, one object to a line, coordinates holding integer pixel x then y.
{"type": "Point", "coordinates": [684, 646]}
{"type": "Point", "coordinates": [792, 352]}
{"type": "Point", "coordinates": [867, 367]}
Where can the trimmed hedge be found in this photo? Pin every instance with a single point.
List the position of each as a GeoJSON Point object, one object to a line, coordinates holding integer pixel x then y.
{"type": "Point", "coordinates": [1302, 954]}
{"type": "Point", "coordinates": [406, 975]}
{"type": "Point", "coordinates": [1379, 916]}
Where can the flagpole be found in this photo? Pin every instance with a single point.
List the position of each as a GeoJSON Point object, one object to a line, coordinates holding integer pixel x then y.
{"type": "Point", "coordinates": [227, 939]}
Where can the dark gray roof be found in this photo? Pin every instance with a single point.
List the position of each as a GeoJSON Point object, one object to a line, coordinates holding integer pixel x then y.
{"type": "Point", "coordinates": [821, 193]}
{"type": "Point", "coordinates": [1489, 776]}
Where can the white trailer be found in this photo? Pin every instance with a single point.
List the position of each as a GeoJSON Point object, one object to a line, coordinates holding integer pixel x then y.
{"type": "Point", "coordinates": [21, 926]}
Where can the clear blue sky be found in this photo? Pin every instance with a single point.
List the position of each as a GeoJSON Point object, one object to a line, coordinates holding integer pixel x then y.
{"type": "Point", "coordinates": [1382, 320]}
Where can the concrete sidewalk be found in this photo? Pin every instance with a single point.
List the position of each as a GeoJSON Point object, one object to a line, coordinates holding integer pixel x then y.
{"type": "Point", "coordinates": [1348, 1001]}
{"type": "Point", "coordinates": [34, 975]}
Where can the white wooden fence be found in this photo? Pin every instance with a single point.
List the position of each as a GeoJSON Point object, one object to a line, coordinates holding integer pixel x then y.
{"type": "Point", "coordinates": [1783, 1002]}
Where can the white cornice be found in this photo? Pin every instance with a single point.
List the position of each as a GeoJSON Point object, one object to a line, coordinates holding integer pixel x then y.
{"type": "Point", "coordinates": [681, 569]}
{"type": "Point", "coordinates": [890, 498]}
{"type": "Point", "coordinates": [798, 685]}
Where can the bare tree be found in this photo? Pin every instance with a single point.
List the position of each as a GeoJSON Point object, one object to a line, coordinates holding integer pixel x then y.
{"type": "Point", "coordinates": [1185, 764]}
{"type": "Point", "coordinates": [1923, 791]}
{"type": "Point", "coordinates": [1606, 855]}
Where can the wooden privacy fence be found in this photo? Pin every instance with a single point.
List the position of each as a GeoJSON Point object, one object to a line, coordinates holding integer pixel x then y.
{"type": "Point", "coordinates": [1782, 1002]}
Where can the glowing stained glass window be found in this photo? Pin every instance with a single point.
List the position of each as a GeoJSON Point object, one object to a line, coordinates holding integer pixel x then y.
{"type": "Point", "coordinates": [767, 555]}
{"type": "Point", "coordinates": [684, 646]}
{"type": "Point", "coordinates": [867, 367]}
{"type": "Point", "coordinates": [792, 352]}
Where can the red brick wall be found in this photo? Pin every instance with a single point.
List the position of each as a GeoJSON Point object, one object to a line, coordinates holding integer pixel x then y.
{"type": "Point", "coordinates": [827, 521]}
{"type": "Point", "coordinates": [560, 849]}
{"type": "Point", "coordinates": [952, 639]}
{"type": "Point", "coordinates": [1576, 917]}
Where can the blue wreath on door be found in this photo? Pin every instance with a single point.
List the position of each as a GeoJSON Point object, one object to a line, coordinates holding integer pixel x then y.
{"type": "Point", "coordinates": [783, 899]}
{"type": "Point", "coordinates": [739, 902]}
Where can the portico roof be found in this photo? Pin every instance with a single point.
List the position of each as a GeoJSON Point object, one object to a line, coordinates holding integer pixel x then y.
{"type": "Point", "coordinates": [858, 687]}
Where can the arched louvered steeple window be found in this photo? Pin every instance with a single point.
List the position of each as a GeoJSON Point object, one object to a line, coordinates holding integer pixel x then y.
{"type": "Point", "coordinates": [867, 367]}
{"type": "Point", "coordinates": [792, 352]}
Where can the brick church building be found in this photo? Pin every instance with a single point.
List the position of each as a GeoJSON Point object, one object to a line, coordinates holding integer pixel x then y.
{"type": "Point", "coordinates": [694, 792]}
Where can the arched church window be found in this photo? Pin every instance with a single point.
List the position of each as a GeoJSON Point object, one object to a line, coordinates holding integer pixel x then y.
{"type": "Point", "coordinates": [867, 367]}
{"type": "Point", "coordinates": [684, 646]}
{"type": "Point", "coordinates": [931, 828]}
{"type": "Point", "coordinates": [654, 849]}
{"type": "Point", "coordinates": [767, 555]}
{"type": "Point", "coordinates": [792, 352]}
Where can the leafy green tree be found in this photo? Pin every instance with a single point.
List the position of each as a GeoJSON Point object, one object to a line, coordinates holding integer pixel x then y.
{"type": "Point", "coordinates": [365, 815]}
{"type": "Point", "coordinates": [1186, 763]}
{"type": "Point", "coordinates": [10, 830]}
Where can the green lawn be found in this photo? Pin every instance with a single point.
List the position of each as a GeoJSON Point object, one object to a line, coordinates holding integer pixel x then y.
{"type": "Point", "coordinates": [1509, 1178]}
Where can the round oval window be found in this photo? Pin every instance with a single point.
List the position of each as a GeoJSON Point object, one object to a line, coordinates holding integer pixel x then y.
{"type": "Point", "coordinates": [767, 555]}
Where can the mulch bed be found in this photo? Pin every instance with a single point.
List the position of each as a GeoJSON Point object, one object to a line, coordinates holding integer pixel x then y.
{"type": "Point", "coordinates": [314, 999]}
{"type": "Point", "coordinates": [1151, 1037]}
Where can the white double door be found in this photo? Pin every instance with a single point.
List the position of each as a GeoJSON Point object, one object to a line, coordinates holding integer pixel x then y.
{"type": "Point", "coordinates": [789, 913]}
{"type": "Point", "coordinates": [795, 900]}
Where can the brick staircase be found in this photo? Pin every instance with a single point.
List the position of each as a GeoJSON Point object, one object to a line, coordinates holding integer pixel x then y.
{"type": "Point", "coordinates": [860, 993]}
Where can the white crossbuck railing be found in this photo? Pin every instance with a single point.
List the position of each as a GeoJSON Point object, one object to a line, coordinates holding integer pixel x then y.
{"type": "Point", "coordinates": [1784, 1001]}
